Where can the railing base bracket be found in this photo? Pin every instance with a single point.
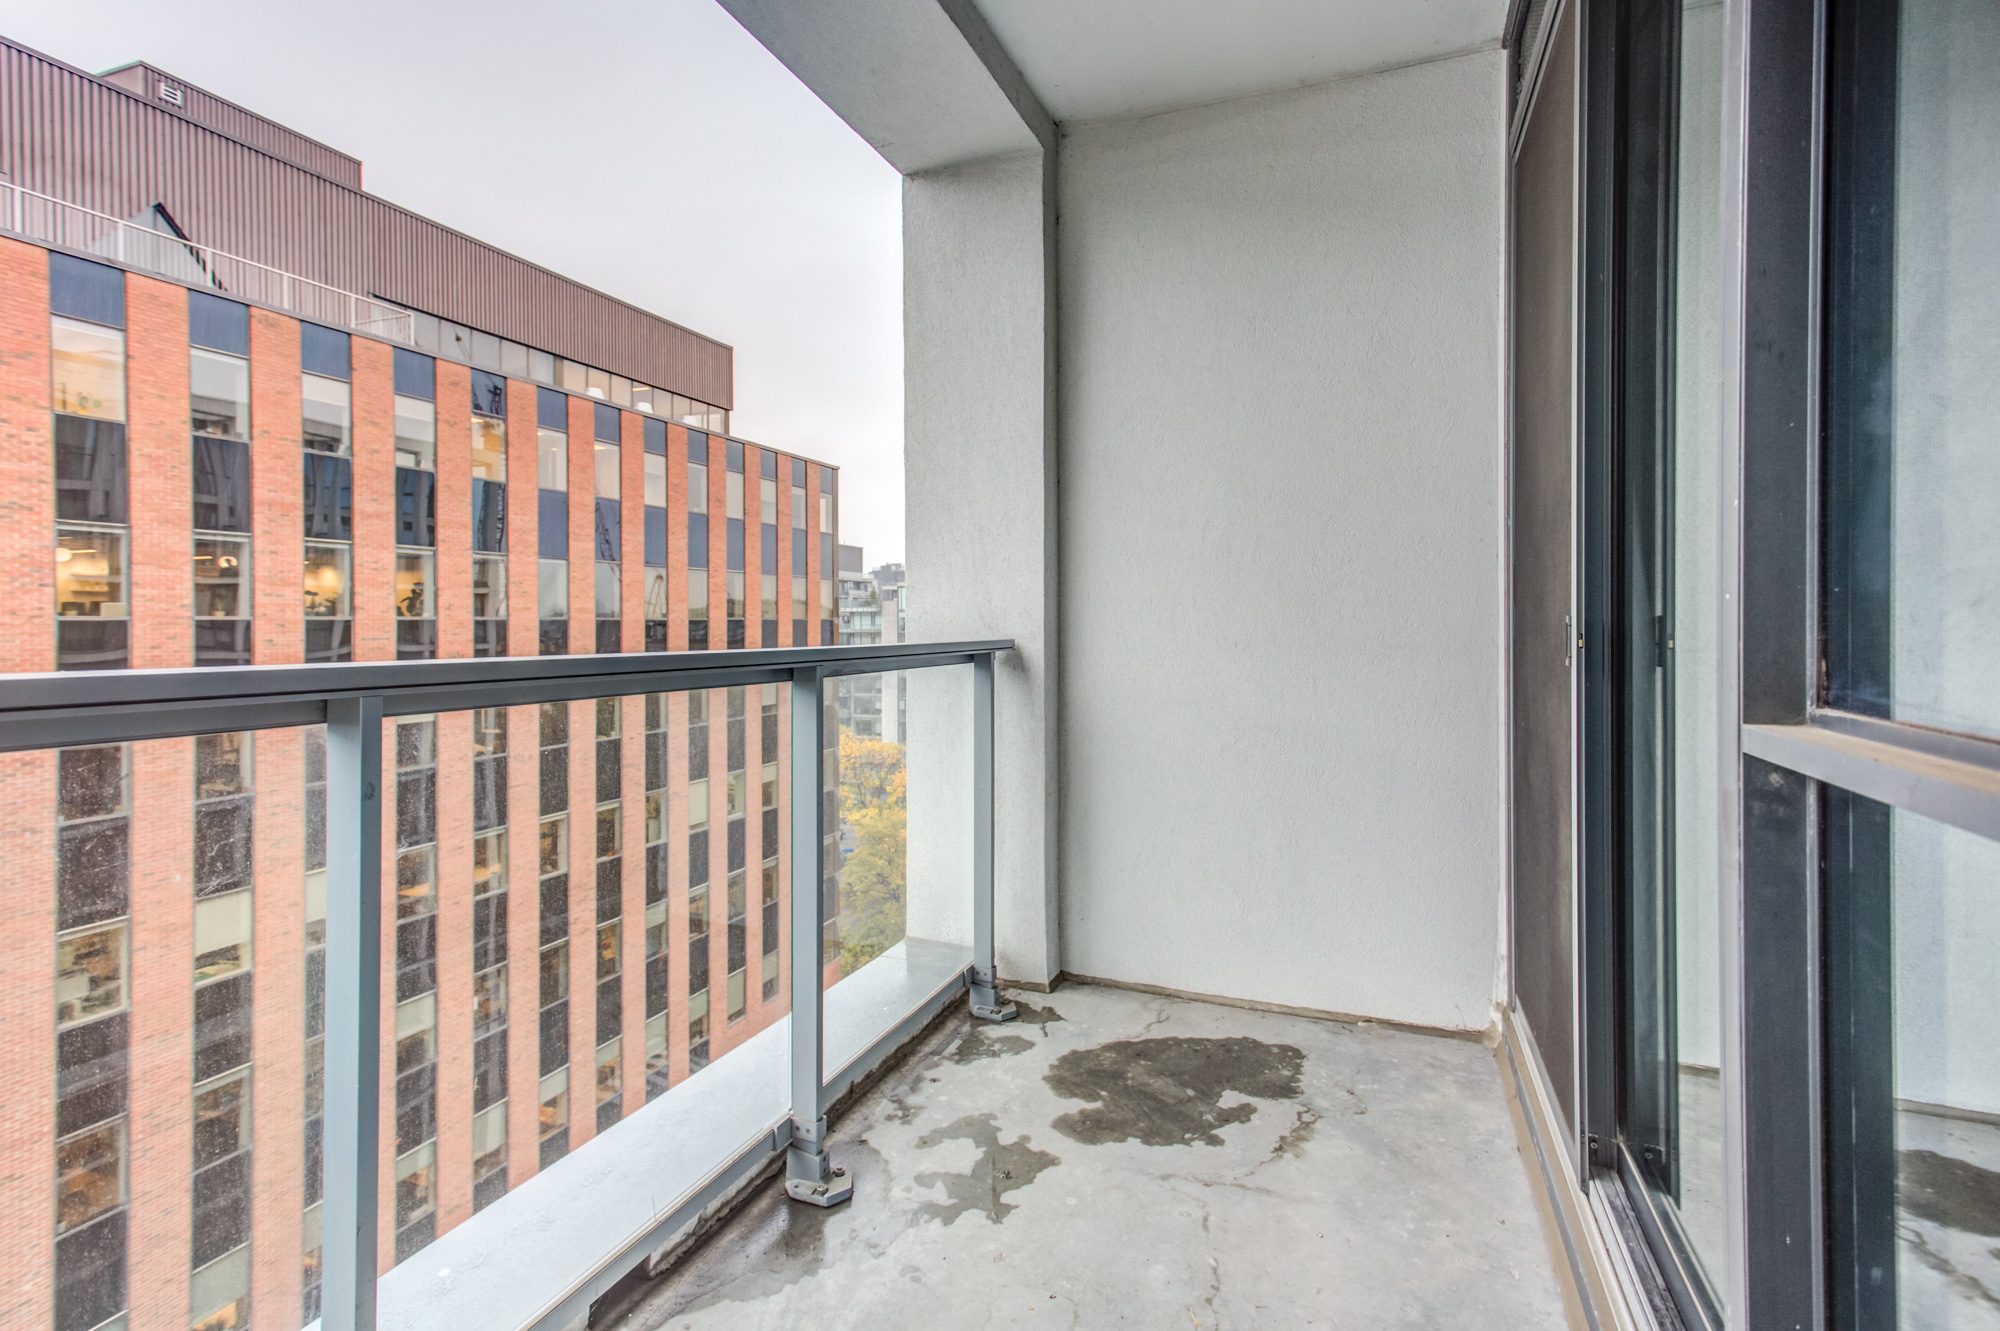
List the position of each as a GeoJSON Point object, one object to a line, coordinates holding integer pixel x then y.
{"type": "Point", "coordinates": [987, 1005]}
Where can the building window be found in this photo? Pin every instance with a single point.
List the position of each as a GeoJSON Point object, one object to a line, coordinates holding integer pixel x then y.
{"type": "Point", "coordinates": [87, 395]}
{"type": "Point", "coordinates": [326, 580]}
{"type": "Point", "coordinates": [93, 839]}
{"type": "Point", "coordinates": [552, 609]}
{"type": "Point", "coordinates": [327, 425]}
{"type": "Point", "coordinates": [87, 369]}
{"type": "Point", "coordinates": [416, 605]}
{"type": "Point", "coordinates": [553, 1116]}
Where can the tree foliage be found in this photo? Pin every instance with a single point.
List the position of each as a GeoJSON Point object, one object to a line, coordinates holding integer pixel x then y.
{"type": "Point", "coordinates": [873, 805]}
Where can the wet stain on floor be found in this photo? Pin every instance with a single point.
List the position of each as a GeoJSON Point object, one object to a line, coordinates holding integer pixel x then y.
{"type": "Point", "coordinates": [1168, 1092]}
{"type": "Point", "coordinates": [986, 1041]}
{"type": "Point", "coordinates": [1030, 1015]}
{"type": "Point", "coordinates": [1000, 1169]}
{"type": "Point", "coordinates": [1948, 1191]}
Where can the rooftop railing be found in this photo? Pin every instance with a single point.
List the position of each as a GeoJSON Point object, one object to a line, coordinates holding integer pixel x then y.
{"type": "Point", "coordinates": [51, 221]}
{"type": "Point", "coordinates": [537, 1256]}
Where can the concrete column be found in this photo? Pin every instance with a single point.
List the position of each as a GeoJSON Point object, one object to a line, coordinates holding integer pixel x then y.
{"type": "Point", "coordinates": [979, 467]}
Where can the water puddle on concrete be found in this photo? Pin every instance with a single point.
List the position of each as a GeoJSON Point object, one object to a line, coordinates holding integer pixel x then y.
{"type": "Point", "coordinates": [1000, 1169]}
{"type": "Point", "coordinates": [1948, 1191]}
{"type": "Point", "coordinates": [1168, 1092]}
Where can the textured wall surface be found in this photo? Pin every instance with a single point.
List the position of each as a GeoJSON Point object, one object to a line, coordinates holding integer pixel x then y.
{"type": "Point", "coordinates": [1280, 508]}
{"type": "Point", "coordinates": [979, 480]}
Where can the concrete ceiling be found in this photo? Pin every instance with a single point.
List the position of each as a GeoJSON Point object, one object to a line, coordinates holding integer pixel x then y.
{"type": "Point", "coordinates": [1088, 59]}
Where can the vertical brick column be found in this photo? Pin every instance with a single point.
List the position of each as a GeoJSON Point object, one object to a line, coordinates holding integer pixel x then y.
{"type": "Point", "coordinates": [277, 559]}
{"type": "Point", "coordinates": [632, 933]}
{"type": "Point", "coordinates": [677, 871]}
{"type": "Point", "coordinates": [386, 1125]}
{"type": "Point", "coordinates": [27, 1002]}
{"type": "Point", "coordinates": [753, 550]}
{"type": "Point", "coordinates": [454, 963]}
{"type": "Point", "coordinates": [782, 1003]}
{"type": "Point", "coordinates": [784, 569]}
{"type": "Point", "coordinates": [814, 569]}
{"type": "Point", "coordinates": [582, 552]}
{"type": "Point", "coordinates": [632, 536]}
{"type": "Point", "coordinates": [27, 471]}
{"type": "Point", "coordinates": [159, 462]}
{"type": "Point", "coordinates": [718, 545]}
{"type": "Point", "coordinates": [722, 1036]}
{"type": "Point", "coordinates": [677, 539]}
{"type": "Point", "coordinates": [522, 634]}
{"type": "Point", "coordinates": [373, 367]}
{"type": "Point", "coordinates": [161, 1106]}
{"type": "Point", "coordinates": [277, 1100]}
{"type": "Point", "coordinates": [454, 512]}
{"type": "Point", "coordinates": [582, 898]}
{"type": "Point", "coordinates": [523, 918]}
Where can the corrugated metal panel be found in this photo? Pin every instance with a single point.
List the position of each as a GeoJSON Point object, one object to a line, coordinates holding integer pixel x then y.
{"type": "Point", "coordinates": [245, 126]}
{"type": "Point", "coordinates": [73, 136]}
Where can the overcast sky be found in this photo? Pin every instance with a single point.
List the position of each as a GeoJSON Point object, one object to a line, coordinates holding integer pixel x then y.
{"type": "Point", "coordinates": [650, 148]}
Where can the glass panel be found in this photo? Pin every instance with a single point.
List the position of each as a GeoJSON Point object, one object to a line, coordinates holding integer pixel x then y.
{"type": "Point", "coordinates": [416, 433]}
{"type": "Point", "coordinates": [605, 458]}
{"type": "Point", "coordinates": [158, 1109]}
{"type": "Point", "coordinates": [327, 418]}
{"type": "Point", "coordinates": [90, 572]}
{"type": "Point", "coordinates": [489, 449]}
{"type": "Point", "coordinates": [222, 577]}
{"type": "Point", "coordinates": [553, 588]}
{"type": "Point", "coordinates": [1913, 301]}
{"type": "Point", "coordinates": [416, 582]}
{"type": "Point", "coordinates": [219, 394]}
{"type": "Point", "coordinates": [552, 459]}
{"type": "Point", "coordinates": [326, 580]}
{"type": "Point", "coordinates": [489, 587]}
{"type": "Point", "coordinates": [656, 480]}
{"type": "Point", "coordinates": [607, 593]}
{"type": "Point", "coordinates": [87, 364]}
{"type": "Point", "coordinates": [896, 867]}
{"type": "Point", "coordinates": [1690, 651]}
{"type": "Point", "coordinates": [1914, 990]}
{"type": "Point", "coordinates": [655, 592]}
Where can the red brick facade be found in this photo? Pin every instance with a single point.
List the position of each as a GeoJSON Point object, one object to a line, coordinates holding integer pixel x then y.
{"type": "Point", "coordinates": [161, 973]}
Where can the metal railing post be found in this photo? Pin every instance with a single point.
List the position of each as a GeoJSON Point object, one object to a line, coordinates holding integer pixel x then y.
{"type": "Point", "coordinates": [809, 1175]}
{"type": "Point", "coordinates": [351, 1139]}
{"type": "Point", "coordinates": [985, 993]}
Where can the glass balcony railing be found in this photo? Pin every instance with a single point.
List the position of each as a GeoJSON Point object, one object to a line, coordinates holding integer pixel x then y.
{"type": "Point", "coordinates": [482, 969]}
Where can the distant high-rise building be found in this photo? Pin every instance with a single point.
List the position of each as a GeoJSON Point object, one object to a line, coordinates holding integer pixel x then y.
{"type": "Point", "coordinates": [250, 414]}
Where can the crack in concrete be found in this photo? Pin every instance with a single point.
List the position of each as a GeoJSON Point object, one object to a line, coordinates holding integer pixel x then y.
{"type": "Point", "coordinates": [1294, 1139]}
{"type": "Point", "coordinates": [1969, 1287]}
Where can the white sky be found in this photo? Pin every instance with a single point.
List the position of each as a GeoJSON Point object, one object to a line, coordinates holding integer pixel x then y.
{"type": "Point", "coordinates": [650, 148]}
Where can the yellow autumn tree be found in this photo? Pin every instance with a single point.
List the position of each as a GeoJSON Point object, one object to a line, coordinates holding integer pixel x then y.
{"type": "Point", "coordinates": [873, 803]}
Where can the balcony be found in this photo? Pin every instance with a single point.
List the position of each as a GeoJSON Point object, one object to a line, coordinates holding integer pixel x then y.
{"type": "Point", "coordinates": [1117, 1156]}
{"type": "Point", "coordinates": [1453, 772]}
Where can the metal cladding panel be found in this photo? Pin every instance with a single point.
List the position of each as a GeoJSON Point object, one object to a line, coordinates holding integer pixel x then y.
{"type": "Point", "coordinates": [203, 107]}
{"type": "Point", "coordinates": [80, 138]}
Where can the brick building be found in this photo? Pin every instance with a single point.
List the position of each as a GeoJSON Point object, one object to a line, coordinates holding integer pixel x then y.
{"type": "Point", "coordinates": [251, 414]}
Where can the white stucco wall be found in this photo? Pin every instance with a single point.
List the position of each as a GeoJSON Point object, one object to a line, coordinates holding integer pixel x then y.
{"type": "Point", "coordinates": [981, 543]}
{"type": "Point", "coordinates": [1280, 332]}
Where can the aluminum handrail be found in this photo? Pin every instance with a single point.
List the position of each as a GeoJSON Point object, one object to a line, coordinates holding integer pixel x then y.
{"type": "Point", "coordinates": [352, 699]}
{"type": "Point", "coordinates": [58, 709]}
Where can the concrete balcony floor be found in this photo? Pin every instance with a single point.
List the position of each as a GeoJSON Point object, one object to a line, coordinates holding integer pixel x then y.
{"type": "Point", "coordinates": [1115, 1158]}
